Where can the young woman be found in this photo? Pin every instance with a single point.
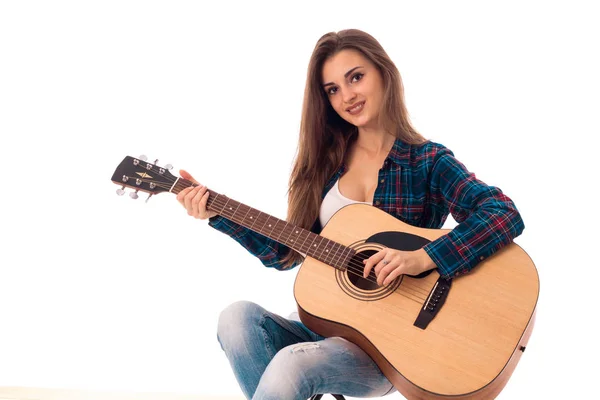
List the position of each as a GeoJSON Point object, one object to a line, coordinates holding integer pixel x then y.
{"type": "Point", "coordinates": [356, 146]}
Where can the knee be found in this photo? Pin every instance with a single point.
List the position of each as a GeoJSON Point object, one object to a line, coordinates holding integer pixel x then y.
{"type": "Point", "coordinates": [293, 373]}
{"type": "Point", "coordinates": [236, 320]}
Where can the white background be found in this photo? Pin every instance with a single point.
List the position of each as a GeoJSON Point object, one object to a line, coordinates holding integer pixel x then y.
{"type": "Point", "coordinates": [102, 292]}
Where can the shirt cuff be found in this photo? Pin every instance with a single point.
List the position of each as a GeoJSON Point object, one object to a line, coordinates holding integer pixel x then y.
{"type": "Point", "coordinates": [444, 254]}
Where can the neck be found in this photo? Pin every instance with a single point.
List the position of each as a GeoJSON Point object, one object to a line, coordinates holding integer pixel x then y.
{"type": "Point", "coordinates": [375, 141]}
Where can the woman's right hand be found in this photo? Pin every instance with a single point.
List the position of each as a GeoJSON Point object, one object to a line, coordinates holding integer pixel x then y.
{"type": "Point", "coordinates": [194, 198]}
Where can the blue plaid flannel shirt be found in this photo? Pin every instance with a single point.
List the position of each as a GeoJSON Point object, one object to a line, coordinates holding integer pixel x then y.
{"type": "Point", "coordinates": [421, 186]}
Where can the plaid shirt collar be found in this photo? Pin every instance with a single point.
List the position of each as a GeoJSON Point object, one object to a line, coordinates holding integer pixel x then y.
{"type": "Point", "coordinates": [400, 153]}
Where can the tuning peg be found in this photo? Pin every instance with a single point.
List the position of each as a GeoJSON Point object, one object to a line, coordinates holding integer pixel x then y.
{"type": "Point", "coordinates": [155, 161]}
{"type": "Point", "coordinates": [169, 167]}
{"type": "Point", "coordinates": [150, 195]}
{"type": "Point", "coordinates": [143, 157]}
{"type": "Point", "coordinates": [120, 191]}
{"type": "Point", "coordinates": [134, 195]}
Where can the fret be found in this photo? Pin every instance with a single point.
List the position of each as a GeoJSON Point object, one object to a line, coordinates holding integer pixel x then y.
{"type": "Point", "coordinates": [225, 205]}
{"type": "Point", "coordinates": [306, 236]}
{"type": "Point", "coordinates": [343, 257]}
{"type": "Point", "coordinates": [282, 235]}
{"type": "Point", "coordinates": [328, 251]}
{"type": "Point", "coordinates": [212, 200]}
{"type": "Point", "coordinates": [237, 208]}
{"type": "Point", "coordinates": [294, 235]}
{"type": "Point", "coordinates": [275, 227]}
{"type": "Point", "coordinates": [318, 253]}
{"type": "Point", "coordinates": [255, 219]}
{"type": "Point", "coordinates": [335, 252]}
{"type": "Point", "coordinates": [310, 247]}
{"type": "Point", "coordinates": [231, 208]}
{"type": "Point", "coordinates": [282, 230]}
{"type": "Point", "coordinates": [287, 225]}
{"type": "Point", "coordinates": [263, 227]}
{"type": "Point", "coordinates": [290, 238]}
{"type": "Point", "coordinates": [233, 214]}
{"type": "Point", "coordinates": [245, 215]}
{"type": "Point", "coordinates": [330, 255]}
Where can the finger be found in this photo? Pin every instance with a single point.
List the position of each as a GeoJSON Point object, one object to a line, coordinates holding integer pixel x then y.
{"type": "Point", "coordinates": [181, 195]}
{"type": "Point", "coordinates": [373, 260]}
{"type": "Point", "coordinates": [188, 199]}
{"type": "Point", "coordinates": [386, 261]}
{"type": "Point", "coordinates": [203, 202]}
{"type": "Point", "coordinates": [393, 275]}
{"type": "Point", "coordinates": [186, 175]}
{"type": "Point", "coordinates": [384, 272]}
{"type": "Point", "coordinates": [196, 207]}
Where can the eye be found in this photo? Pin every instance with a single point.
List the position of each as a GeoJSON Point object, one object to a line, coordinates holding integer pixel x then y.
{"type": "Point", "coordinates": [332, 90]}
{"type": "Point", "coordinates": [356, 77]}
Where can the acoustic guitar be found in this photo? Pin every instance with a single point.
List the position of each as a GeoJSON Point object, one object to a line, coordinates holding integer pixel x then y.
{"type": "Point", "coordinates": [433, 338]}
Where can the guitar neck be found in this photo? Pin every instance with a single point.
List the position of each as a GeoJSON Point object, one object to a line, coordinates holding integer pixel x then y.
{"type": "Point", "coordinates": [299, 239]}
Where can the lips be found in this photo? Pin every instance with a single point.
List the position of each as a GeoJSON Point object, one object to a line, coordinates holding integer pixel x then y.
{"type": "Point", "coordinates": [356, 108]}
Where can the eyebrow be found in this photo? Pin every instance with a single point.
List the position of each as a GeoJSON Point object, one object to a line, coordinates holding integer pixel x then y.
{"type": "Point", "coordinates": [345, 76]}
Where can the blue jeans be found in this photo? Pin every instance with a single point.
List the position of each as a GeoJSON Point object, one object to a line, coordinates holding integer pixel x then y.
{"type": "Point", "coordinates": [274, 358]}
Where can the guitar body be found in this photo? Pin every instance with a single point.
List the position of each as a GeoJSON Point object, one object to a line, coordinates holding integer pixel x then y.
{"type": "Point", "coordinates": [468, 350]}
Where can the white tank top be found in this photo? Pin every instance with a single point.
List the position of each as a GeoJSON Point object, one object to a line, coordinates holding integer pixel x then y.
{"type": "Point", "coordinates": [332, 202]}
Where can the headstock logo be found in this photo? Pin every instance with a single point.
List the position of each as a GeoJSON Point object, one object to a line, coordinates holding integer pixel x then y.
{"type": "Point", "coordinates": [144, 175]}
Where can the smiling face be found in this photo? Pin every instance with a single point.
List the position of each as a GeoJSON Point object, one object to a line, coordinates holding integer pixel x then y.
{"type": "Point", "coordinates": [354, 87]}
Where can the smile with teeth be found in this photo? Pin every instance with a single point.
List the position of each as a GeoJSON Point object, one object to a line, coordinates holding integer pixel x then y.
{"type": "Point", "coordinates": [357, 108]}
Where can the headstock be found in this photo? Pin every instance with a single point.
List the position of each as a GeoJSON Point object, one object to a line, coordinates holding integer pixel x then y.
{"type": "Point", "coordinates": [140, 175]}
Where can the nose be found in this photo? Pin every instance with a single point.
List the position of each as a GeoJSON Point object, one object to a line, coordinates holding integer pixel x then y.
{"type": "Point", "coordinates": [348, 95]}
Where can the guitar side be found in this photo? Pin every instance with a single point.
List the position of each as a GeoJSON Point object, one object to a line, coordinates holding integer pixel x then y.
{"type": "Point", "coordinates": [469, 349]}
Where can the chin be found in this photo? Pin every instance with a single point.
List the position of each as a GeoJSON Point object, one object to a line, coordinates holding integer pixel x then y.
{"type": "Point", "coordinates": [361, 123]}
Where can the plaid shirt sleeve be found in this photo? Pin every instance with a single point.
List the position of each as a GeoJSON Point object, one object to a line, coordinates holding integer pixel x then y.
{"type": "Point", "coordinates": [268, 251]}
{"type": "Point", "coordinates": [487, 219]}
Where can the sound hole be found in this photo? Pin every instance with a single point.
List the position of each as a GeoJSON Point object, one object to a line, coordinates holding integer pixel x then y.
{"type": "Point", "coordinates": [356, 269]}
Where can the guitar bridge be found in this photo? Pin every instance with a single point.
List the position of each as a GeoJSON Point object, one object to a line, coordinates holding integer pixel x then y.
{"type": "Point", "coordinates": [434, 302]}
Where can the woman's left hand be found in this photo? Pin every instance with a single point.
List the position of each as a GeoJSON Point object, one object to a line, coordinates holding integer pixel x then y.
{"type": "Point", "coordinates": [391, 263]}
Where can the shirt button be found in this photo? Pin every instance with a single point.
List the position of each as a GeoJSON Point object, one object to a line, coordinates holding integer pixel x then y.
{"type": "Point", "coordinates": [377, 202]}
{"type": "Point", "coordinates": [481, 258]}
{"type": "Point", "coordinates": [383, 180]}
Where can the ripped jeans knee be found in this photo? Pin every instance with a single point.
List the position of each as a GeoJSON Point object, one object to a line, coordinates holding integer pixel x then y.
{"type": "Point", "coordinates": [333, 365]}
{"type": "Point", "coordinates": [291, 373]}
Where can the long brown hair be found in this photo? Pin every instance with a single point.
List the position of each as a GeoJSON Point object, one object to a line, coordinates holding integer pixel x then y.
{"type": "Point", "coordinates": [325, 137]}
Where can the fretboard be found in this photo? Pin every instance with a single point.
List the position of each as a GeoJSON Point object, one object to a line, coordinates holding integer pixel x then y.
{"type": "Point", "coordinates": [299, 239]}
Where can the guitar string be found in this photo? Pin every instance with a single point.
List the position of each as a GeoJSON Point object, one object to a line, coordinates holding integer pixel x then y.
{"type": "Point", "coordinates": [416, 290]}
{"type": "Point", "coordinates": [408, 296]}
{"type": "Point", "coordinates": [357, 267]}
{"type": "Point", "coordinates": [355, 271]}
